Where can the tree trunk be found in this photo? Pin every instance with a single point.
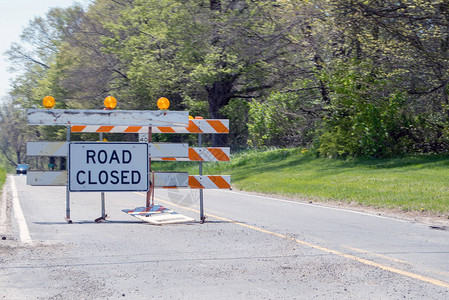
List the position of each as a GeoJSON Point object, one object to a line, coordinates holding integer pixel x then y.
{"type": "Point", "coordinates": [318, 61]}
{"type": "Point", "coordinates": [215, 5]}
{"type": "Point", "coordinates": [219, 95]}
{"type": "Point", "coordinates": [19, 157]}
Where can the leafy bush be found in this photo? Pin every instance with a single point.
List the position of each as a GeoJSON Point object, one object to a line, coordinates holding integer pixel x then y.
{"type": "Point", "coordinates": [2, 177]}
{"type": "Point", "coordinates": [283, 119]}
{"type": "Point", "coordinates": [362, 121]}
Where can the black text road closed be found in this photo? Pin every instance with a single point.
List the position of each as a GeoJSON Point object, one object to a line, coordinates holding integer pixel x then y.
{"type": "Point", "coordinates": [108, 167]}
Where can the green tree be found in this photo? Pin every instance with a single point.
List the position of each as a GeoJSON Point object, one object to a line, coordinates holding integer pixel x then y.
{"type": "Point", "coordinates": [36, 54]}
{"type": "Point", "coordinates": [188, 50]}
{"type": "Point", "coordinates": [14, 133]}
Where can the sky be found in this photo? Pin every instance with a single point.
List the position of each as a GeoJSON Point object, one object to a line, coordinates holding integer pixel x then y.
{"type": "Point", "coordinates": [14, 17]}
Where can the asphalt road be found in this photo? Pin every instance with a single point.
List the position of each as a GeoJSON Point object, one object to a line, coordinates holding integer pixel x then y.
{"type": "Point", "coordinates": [250, 247]}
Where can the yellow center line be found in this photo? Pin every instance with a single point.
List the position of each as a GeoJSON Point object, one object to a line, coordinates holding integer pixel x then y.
{"type": "Point", "coordinates": [375, 254]}
{"type": "Point", "coordinates": [326, 250]}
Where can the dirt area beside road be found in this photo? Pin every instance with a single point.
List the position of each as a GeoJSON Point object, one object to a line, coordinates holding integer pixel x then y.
{"type": "Point", "coordinates": [6, 234]}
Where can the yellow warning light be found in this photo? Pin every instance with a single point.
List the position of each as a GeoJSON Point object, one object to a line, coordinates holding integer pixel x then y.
{"type": "Point", "coordinates": [163, 103]}
{"type": "Point", "coordinates": [110, 102]}
{"type": "Point", "coordinates": [48, 102]}
{"type": "Point", "coordinates": [190, 118]}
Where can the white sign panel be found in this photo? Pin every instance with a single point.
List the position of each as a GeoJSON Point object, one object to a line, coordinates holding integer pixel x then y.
{"type": "Point", "coordinates": [108, 167]}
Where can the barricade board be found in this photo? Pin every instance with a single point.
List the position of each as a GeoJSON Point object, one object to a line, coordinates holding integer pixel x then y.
{"type": "Point", "coordinates": [155, 150]}
{"type": "Point", "coordinates": [47, 178]}
{"type": "Point", "coordinates": [158, 150]}
{"type": "Point", "coordinates": [216, 126]}
{"type": "Point", "coordinates": [107, 118]}
{"type": "Point", "coordinates": [198, 126]}
{"type": "Point", "coordinates": [210, 181]}
{"type": "Point", "coordinates": [161, 180]}
{"type": "Point", "coordinates": [170, 179]}
{"type": "Point", "coordinates": [203, 154]}
{"type": "Point", "coordinates": [47, 148]}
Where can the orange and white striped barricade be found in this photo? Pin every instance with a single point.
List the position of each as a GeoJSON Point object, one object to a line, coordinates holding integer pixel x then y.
{"type": "Point", "coordinates": [143, 123]}
{"type": "Point", "coordinates": [104, 119]}
{"type": "Point", "coordinates": [202, 154]}
{"type": "Point", "coordinates": [210, 181]}
{"type": "Point", "coordinates": [214, 126]}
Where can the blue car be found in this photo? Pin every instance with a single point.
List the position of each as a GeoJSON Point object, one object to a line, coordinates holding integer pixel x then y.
{"type": "Point", "coordinates": [22, 169]}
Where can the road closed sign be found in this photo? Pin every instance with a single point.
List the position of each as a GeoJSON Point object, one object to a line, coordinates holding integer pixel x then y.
{"type": "Point", "coordinates": [108, 167]}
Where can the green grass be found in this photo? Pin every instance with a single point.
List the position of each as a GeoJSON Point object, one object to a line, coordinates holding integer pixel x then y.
{"type": "Point", "coordinates": [2, 178]}
{"type": "Point", "coordinates": [412, 183]}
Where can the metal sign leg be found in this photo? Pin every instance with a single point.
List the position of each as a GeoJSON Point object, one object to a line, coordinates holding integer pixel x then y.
{"type": "Point", "coordinates": [103, 200]}
{"type": "Point", "coordinates": [104, 216]}
{"type": "Point", "coordinates": [150, 193]}
{"type": "Point", "coordinates": [67, 193]}
{"type": "Point", "coordinates": [202, 216]}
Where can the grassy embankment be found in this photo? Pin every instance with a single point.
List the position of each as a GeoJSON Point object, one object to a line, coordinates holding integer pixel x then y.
{"type": "Point", "coordinates": [412, 183]}
{"type": "Point", "coordinates": [2, 178]}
